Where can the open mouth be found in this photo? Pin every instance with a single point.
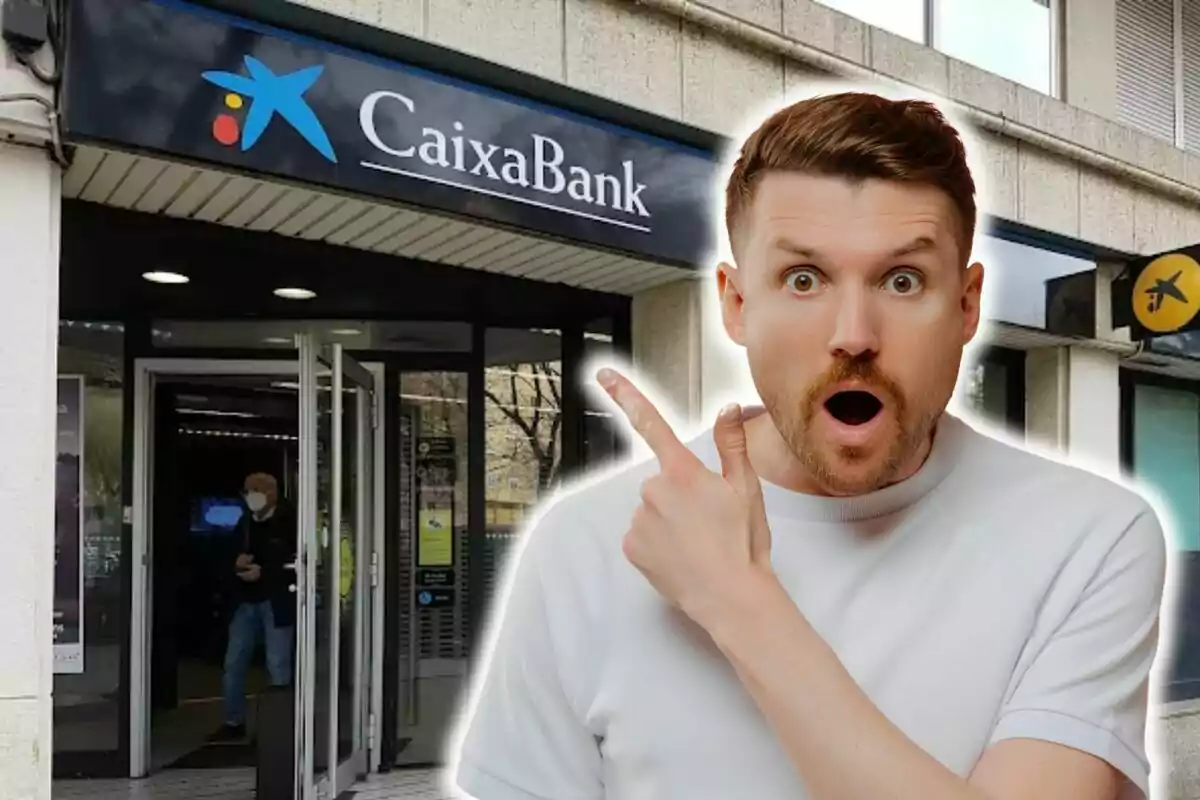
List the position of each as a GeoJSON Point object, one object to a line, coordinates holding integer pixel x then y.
{"type": "Point", "coordinates": [853, 407]}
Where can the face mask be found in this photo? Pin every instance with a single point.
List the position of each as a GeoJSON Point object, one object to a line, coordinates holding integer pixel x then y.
{"type": "Point", "coordinates": [256, 501]}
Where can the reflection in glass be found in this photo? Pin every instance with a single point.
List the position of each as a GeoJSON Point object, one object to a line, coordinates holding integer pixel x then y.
{"type": "Point", "coordinates": [87, 706]}
{"type": "Point", "coordinates": [1185, 345]}
{"type": "Point", "coordinates": [326, 584]}
{"type": "Point", "coordinates": [346, 577]}
{"type": "Point", "coordinates": [1015, 278]}
{"type": "Point", "coordinates": [523, 412]}
{"type": "Point", "coordinates": [1166, 455]}
{"type": "Point", "coordinates": [987, 392]}
{"type": "Point", "coordinates": [433, 509]}
{"type": "Point", "coordinates": [1010, 38]}
{"type": "Point", "coordinates": [903, 17]}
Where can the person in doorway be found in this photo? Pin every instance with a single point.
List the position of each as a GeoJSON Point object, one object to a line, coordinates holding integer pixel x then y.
{"type": "Point", "coordinates": [264, 605]}
{"type": "Point", "coordinates": [847, 592]}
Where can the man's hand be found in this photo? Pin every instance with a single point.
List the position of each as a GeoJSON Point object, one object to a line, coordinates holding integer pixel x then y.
{"type": "Point", "coordinates": [700, 538]}
{"type": "Point", "coordinates": [243, 562]}
{"type": "Point", "coordinates": [251, 573]}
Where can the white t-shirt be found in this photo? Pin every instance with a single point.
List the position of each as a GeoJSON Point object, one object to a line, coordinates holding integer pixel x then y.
{"type": "Point", "coordinates": [995, 594]}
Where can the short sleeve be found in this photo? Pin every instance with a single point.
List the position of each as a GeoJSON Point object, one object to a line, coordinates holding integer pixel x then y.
{"type": "Point", "coordinates": [1087, 684]}
{"type": "Point", "coordinates": [525, 738]}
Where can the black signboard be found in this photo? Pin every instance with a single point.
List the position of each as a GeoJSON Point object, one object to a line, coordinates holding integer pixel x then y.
{"type": "Point", "coordinates": [437, 465]}
{"type": "Point", "coordinates": [176, 78]}
{"type": "Point", "coordinates": [435, 598]}
{"type": "Point", "coordinates": [1161, 295]}
{"type": "Point", "coordinates": [435, 577]}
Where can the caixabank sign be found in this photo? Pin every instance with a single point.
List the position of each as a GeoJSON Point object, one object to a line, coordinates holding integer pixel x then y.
{"type": "Point", "coordinates": [183, 80]}
{"type": "Point", "coordinates": [1161, 294]}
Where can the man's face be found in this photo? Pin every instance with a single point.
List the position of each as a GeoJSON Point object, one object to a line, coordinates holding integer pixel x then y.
{"type": "Point", "coordinates": [854, 307]}
{"type": "Point", "coordinates": [261, 484]}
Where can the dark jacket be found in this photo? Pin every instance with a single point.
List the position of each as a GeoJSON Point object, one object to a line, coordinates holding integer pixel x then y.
{"type": "Point", "coordinates": [272, 542]}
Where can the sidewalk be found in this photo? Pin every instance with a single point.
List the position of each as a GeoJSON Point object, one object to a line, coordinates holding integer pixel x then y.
{"type": "Point", "coordinates": [238, 784]}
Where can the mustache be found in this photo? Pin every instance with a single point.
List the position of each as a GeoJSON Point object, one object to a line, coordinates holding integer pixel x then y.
{"type": "Point", "coordinates": [863, 370]}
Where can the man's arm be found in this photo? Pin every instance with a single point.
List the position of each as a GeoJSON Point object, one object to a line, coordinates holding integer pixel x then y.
{"type": "Point", "coordinates": [845, 748]}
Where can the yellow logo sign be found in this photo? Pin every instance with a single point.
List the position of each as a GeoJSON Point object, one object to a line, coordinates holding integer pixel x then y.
{"type": "Point", "coordinates": [1166, 295]}
{"type": "Point", "coordinates": [347, 567]}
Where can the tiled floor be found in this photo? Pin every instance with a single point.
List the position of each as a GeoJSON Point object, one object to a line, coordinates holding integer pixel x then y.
{"type": "Point", "coordinates": [209, 784]}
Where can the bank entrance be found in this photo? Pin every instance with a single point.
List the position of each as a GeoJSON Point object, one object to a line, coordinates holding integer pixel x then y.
{"type": "Point", "coordinates": [410, 450]}
{"type": "Point", "coordinates": [371, 278]}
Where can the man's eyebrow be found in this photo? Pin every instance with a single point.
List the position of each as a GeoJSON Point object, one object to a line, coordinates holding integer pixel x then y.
{"type": "Point", "coordinates": [916, 245]}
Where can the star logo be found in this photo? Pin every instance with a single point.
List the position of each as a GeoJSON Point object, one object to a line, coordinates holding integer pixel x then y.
{"type": "Point", "coordinates": [269, 95]}
{"type": "Point", "coordinates": [1166, 295]}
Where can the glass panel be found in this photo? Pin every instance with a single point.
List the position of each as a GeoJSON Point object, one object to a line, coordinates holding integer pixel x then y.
{"type": "Point", "coordinates": [87, 705]}
{"type": "Point", "coordinates": [1015, 278]}
{"type": "Point", "coordinates": [1166, 455]}
{"type": "Point", "coordinates": [435, 515]}
{"type": "Point", "coordinates": [1185, 345]}
{"type": "Point", "coordinates": [346, 577]}
{"type": "Point", "coordinates": [987, 389]}
{"type": "Point", "coordinates": [1010, 38]}
{"type": "Point", "coordinates": [326, 584]}
{"type": "Point", "coordinates": [903, 17]}
{"type": "Point", "coordinates": [523, 391]}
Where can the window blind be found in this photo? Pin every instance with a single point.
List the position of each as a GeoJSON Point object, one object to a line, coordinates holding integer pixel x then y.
{"type": "Point", "coordinates": [1146, 66]}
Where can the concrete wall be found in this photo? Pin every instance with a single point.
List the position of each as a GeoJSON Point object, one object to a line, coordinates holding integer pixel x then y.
{"type": "Point", "coordinates": [29, 214]}
{"type": "Point", "coordinates": [657, 62]}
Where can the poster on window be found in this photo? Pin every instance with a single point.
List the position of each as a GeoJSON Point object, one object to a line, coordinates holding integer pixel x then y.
{"type": "Point", "coordinates": [68, 528]}
{"type": "Point", "coordinates": [436, 473]}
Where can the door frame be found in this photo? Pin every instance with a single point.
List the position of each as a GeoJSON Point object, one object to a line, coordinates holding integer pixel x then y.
{"type": "Point", "coordinates": [345, 371]}
{"type": "Point", "coordinates": [145, 372]}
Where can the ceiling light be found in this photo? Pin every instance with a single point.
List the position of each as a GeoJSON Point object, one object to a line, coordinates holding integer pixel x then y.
{"type": "Point", "coordinates": [346, 332]}
{"type": "Point", "coordinates": [165, 277]}
{"type": "Point", "coordinates": [295, 293]}
{"type": "Point", "coordinates": [277, 340]}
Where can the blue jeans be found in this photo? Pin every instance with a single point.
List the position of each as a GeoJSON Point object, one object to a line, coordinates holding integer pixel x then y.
{"type": "Point", "coordinates": [249, 622]}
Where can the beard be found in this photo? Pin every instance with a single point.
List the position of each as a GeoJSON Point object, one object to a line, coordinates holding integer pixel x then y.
{"type": "Point", "coordinates": [843, 470]}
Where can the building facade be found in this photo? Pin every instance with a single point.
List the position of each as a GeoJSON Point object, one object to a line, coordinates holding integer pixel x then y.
{"type": "Point", "coordinates": [449, 315]}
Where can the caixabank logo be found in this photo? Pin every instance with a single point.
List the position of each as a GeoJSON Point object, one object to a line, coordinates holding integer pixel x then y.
{"type": "Point", "coordinates": [263, 95]}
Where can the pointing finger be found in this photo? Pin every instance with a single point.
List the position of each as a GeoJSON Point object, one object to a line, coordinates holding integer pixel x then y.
{"type": "Point", "coordinates": [646, 420]}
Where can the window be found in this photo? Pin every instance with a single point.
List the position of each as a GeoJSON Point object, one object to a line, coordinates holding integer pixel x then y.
{"type": "Point", "coordinates": [1161, 448]}
{"type": "Point", "coordinates": [1011, 38]}
{"type": "Point", "coordinates": [1158, 69]}
{"type": "Point", "coordinates": [88, 536]}
{"type": "Point", "coordinates": [1146, 66]}
{"type": "Point", "coordinates": [994, 389]}
{"type": "Point", "coordinates": [1016, 277]}
{"type": "Point", "coordinates": [1166, 455]}
{"type": "Point", "coordinates": [903, 17]}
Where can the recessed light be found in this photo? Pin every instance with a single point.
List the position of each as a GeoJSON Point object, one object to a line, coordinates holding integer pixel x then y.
{"type": "Point", "coordinates": [295, 293]}
{"type": "Point", "coordinates": [346, 332]}
{"type": "Point", "coordinates": [165, 277]}
{"type": "Point", "coordinates": [277, 340]}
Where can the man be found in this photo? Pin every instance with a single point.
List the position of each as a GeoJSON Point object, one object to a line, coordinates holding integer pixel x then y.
{"type": "Point", "coordinates": [265, 607]}
{"type": "Point", "coordinates": [849, 593]}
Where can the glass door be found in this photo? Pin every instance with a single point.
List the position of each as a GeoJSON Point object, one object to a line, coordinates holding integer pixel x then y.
{"type": "Point", "coordinates": [348, 577]}
{"type": "Point", "coordinates": [338, 414]}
